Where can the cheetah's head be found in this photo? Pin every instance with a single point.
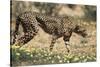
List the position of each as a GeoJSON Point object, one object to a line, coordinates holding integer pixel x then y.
{"type": "Point", "coordinates": [81, 31]}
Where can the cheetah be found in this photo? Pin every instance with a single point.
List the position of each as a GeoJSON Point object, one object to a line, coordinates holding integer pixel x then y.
{"type": "Point", "coordinates": [56, 26]}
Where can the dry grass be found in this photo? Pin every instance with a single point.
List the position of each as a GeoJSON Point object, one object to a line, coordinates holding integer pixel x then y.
{"type": "Point", "coordinates": [79, 47]}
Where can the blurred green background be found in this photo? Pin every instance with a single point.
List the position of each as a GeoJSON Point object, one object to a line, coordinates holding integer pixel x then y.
{"type": "Point", "coordinates": [84, 11]}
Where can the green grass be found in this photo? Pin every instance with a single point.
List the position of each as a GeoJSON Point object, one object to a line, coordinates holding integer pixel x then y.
{"type": "Point", "coordinates": [43, 56]}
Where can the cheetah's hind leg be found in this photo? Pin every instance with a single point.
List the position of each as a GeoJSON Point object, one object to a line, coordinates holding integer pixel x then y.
{"type": "Point", "coordinates": [14, 34]}
{"type": "Point", "coordinates": [29, 33]}
{"type": "Point", "coordinates": [25, 38]}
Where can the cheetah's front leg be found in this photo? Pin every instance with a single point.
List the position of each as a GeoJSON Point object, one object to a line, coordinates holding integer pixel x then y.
{"type": "Point", "coordinates": [66, 39]}
{"type": "Point", "coordinates": [67, 46]}
{"type": "Point", "coordinates": [53, 42]}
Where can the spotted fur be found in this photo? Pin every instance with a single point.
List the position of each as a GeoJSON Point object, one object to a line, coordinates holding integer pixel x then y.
{"type": "Point", "coordinates": [54, 25]}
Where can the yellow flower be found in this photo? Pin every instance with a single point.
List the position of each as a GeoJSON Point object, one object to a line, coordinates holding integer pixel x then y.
{"type": "Point", "coordinates": [60, 61]}
{"type": "Point", "coordinates": [31, 55]}
{"type": "Point", "coordinates": [22, 49]}
{"type": "Point", "coordinates": [33, 49]}
{"type": "Point", "coordinates": [18, 54]}
{"type": "Point", "coordinates": [27, 50]}
{"type": "Point", "coordinates": [52, 61]}
{"type": "Point", "coordinates": [28, 53]}
{"type": "Point", "coordinates": [15, 46]}
{"type": "Point", "coordinates": [58, 57]}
